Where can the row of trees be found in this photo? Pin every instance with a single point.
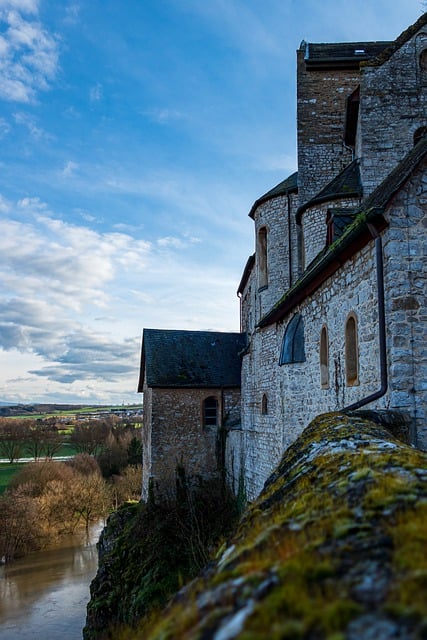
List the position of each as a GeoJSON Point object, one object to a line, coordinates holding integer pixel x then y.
{"type": "Point", "coordinates": [33, 438]}
{"type": "Point", "coordinates": [43, 438]}
{"type": "Point", "coordinates": [48, 498]}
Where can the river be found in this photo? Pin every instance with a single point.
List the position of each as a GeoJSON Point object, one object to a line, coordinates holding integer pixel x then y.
{"type": "Point", "coordinates": [45, 594]}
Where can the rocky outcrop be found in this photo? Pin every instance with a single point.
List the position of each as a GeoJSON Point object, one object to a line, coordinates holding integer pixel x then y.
{"type": "Point", "coordinates": [334, 548]}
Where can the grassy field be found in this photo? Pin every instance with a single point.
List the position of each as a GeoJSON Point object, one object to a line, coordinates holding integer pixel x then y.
{"type": "Point", "coordinates": [7, 470]}
{"type": "Point", "coordinates": [6, 473]}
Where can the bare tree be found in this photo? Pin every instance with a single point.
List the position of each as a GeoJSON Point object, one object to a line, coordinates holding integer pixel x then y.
{"type": "Point", "coordinates": [90, 437]}
{"type": "Point", "coordinates": [20, 525]}
{"type": "Point", "coordinates": [127, 485]}
{"type": "Point", "coordinates": [13, 437]}
{"type": "Point", "coordinates": [90, 499]}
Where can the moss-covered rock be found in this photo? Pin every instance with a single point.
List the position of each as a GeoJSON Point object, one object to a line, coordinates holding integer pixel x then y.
{"type": "Point", "coordinates": [334, 548]}
{"type": "Point", "coordinates": [148, 551]}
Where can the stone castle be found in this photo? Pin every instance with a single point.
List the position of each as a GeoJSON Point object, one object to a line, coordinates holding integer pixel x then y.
{"type": "Point", "coordinates": [333, 301]}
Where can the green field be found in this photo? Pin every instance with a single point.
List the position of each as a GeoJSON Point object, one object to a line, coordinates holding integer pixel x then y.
{"type": "Point", "coordinates": [7, 470]}
{"type": "Point", "coordinates": [6, 473]}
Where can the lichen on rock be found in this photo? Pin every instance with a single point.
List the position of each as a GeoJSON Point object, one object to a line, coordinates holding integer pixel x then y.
{"type": "Point", "coordinates": [334, 548]}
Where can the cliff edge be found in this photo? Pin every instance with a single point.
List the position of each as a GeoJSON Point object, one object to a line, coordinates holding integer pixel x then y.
{"type": "Point", "coordinates": [334, 548]}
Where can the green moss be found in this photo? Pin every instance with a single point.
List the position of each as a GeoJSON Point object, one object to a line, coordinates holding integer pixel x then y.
{"type": "Point", "coordinates": [345, 500]}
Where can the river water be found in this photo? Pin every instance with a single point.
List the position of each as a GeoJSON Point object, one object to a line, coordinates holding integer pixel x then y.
{"type": "Point", "coordinates": [45, 594]}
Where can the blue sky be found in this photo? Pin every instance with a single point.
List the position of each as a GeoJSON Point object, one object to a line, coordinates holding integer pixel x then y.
{"type": "Point", "coordinates": [135, 136]}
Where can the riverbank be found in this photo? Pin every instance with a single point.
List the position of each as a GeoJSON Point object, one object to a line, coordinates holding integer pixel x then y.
{"type": "Point", "coordinates": [44, 595]}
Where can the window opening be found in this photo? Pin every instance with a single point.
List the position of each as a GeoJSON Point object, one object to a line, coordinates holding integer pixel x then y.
{"type": "Point", "coordinates": [262, 258]}
{"type": "Point", "coordinates": [324, 358]}
{"type": "Point", "coordinates": [293, 342]}
{"type": "Point", "coordinates": [264, 405]}
{"type": "Point", "coordinates": [210, 412]}
{"type": "Point", "coordinates": [351, 351]}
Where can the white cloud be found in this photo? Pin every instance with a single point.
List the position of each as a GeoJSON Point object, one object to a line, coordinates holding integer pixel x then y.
{"type": "Point", "coordinates": [72, 12]}
{"type": "Point", "coordinates": [4, 126]}
{"type": "Point", "coordinates": [56, 276]}
{"type": "Point", "coordinates": [69, 168]}
{"type": "Point", "coordinates": [96, 93]}
{"type": "Point", "coordinates": [30, 123]}
{"type": "Point", "coordinates": [29, 53]}
{"type": "Point", "coordinates": [164, 115]}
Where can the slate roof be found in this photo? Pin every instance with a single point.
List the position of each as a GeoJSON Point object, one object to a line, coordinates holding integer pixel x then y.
{"type": "Point", "coordinates": [290, 185]}
{"type": "Point", "coordinates": [335, 55]}
{"type": "Point", "coordinates": [190, 359]}
{"type": "Point", "coordinates": [346, 184]}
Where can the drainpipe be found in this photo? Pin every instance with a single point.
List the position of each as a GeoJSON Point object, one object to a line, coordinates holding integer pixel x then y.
{"type": "Point", "coordinates": [381, 327]}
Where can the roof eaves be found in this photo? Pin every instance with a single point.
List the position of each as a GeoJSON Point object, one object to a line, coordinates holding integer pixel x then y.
{"type": "Point", "coordinates": [290, 185]}
{"type": "Point", "coordinates": [328, 195]}
{"type": "Point", "coordinates": [356, 236]}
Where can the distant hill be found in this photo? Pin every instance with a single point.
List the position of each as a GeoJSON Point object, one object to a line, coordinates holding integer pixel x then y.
{"type": "Point", "coordinates": [10, 410]}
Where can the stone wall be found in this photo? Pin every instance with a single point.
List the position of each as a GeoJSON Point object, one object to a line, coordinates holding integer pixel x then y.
{"type": "Point", "coordinates": [294, 391]}
{"type": "Point", "coordinates": [314, 226]}
{"type": "Point", "coordinates": [282, 265]}
{"type": "Point", "coordinates": [321, 110]}
{"type": "Point", "coordinates": [393, 105]}
{"type": "Point", "coordinates": [283, 259]}
{"type": "Point", "coordinates": [176, 435]}
{"type": "Point", "coordinates": [405, 256]}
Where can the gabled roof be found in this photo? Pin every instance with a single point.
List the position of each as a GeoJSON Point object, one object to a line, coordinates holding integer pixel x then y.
{"type": "Point", "coordinates": [346, 184]}
{"type": "Point", "coordinates": [340, 55]}
{"type": "Point", "coordinates": [290, 185]}
{"type": "Point", "coordinates": [353, 238]}
{"type": "Point", "coordinates": [190, 359]}
{"type": "Point", "coordinates": [386, 54]}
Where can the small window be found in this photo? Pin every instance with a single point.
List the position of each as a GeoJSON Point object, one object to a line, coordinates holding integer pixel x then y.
{"type": "Point", "coordinates": [264, 405]}
{"type": "Point", "coordinates": [351, 351]}
{"type": "Point", "coordinates": [330, 231]}
{"type": "Point", "coordinates": [293, 342]}
{"type": "Point", "coordinates": [324, 358]}
{"type": "Point", "coordinates": [262, 258]}
{"type": "Point", "coordinates": [210, 412]}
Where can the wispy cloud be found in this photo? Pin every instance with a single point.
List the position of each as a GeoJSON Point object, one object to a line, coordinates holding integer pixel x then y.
{"type": "Point", "coordinates": [96, 93]}
{"type": "Point", "coordinates": [29, 53]}
{"type": "Point", "coordinates": [30, 123]}
{"type": "Point", "coordinates": [164, 115]}
{"type": "Point", "coordinates": [69, 168]}
{"type": "Point", "coordinates": [56, 277]}
{"type": "Point", "coordinates": [72, 12]}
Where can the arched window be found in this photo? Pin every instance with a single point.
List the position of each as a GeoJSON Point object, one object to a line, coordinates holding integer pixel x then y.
{"type": "Point", "coordinates": [324, 358]}
{"type": "Point", "coordinates": [264, 405]}
{"type": "Point", "coordinates": [293, 341]}
{"type": "Point", "coordinates": [210, 412]}
{"type": "Point", "coordinates": [262, 258]}
{"type": "Point", "coordinates": [419, 133]}
{"type": "Point", "coordinates": [422, 60]}
{"type": "Point", "coordinates": [351, 351]}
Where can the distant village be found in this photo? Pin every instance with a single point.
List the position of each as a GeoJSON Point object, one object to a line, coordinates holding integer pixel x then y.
{"type": "Point", "coordinates": [68, 412]}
